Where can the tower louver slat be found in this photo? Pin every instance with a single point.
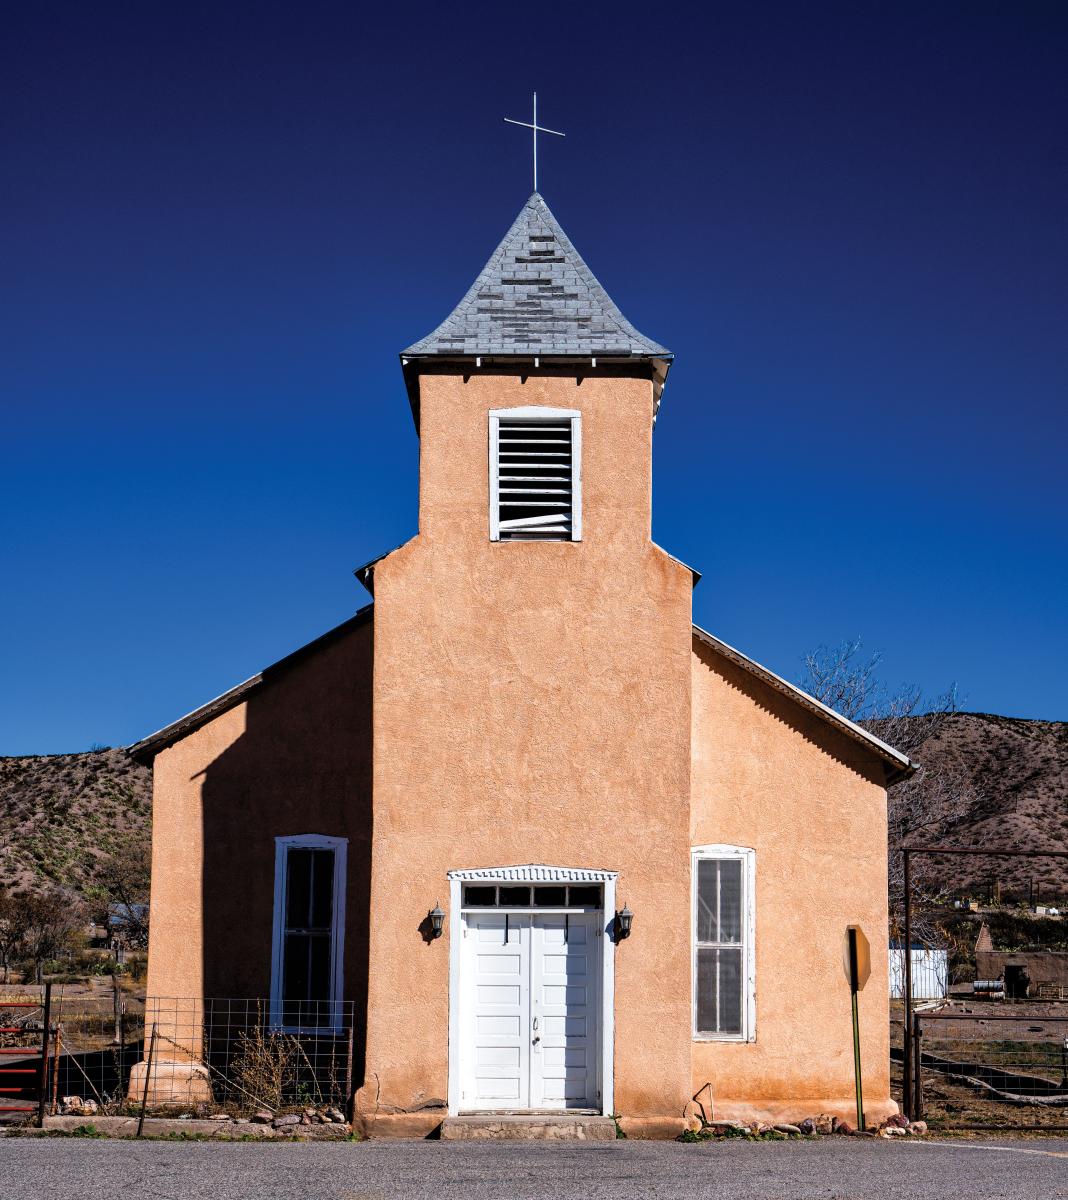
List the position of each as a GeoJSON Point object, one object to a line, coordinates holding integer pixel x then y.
{"type": "Point", "coordinates": [534, 480]}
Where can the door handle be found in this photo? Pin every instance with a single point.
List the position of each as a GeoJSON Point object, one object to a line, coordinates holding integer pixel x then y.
{"type": "Point", "coordinates": [535, 1024]}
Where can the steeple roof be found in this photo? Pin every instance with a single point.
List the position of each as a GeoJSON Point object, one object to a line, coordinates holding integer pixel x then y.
{"type": "Point", "coordinates": [536, 297]}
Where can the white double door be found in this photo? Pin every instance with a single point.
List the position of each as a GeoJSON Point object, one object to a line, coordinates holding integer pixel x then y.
{"type": "Point", "coordinates": [529, 1010]}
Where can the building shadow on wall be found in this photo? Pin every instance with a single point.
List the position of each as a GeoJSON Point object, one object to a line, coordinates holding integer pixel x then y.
{"type": "Point", "coordinates": [303, 765]}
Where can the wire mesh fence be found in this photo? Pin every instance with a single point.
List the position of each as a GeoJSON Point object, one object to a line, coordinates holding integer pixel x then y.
{"type": "Point", "coordinates": [208, 1055]}
{"type": "Point", "coordinates": [988, 1070]}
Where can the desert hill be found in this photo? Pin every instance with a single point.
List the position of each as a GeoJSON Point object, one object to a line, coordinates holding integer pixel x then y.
{"type": "Point", "coordinates": [61, 814]}
{"type": "Point", "coordinates": [1015, 774]}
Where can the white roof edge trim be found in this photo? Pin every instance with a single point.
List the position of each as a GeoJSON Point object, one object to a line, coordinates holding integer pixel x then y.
{"type": "Point", "coordinates": [239, 689]}
{"type": "Point", "coordinates": [193, 712]}
{"type": "Point", "coordinates": [533, 873]}
{"type": "Point", "coordinates": [792, 689]}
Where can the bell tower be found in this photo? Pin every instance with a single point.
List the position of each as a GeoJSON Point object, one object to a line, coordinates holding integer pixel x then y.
{"type": "Point", "coordinates": [535, 314]}
{"type": "Point", "coordinates": [532, 670]}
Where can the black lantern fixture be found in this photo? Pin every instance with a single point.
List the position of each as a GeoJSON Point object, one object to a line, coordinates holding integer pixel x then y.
{"type": "Point", "coordinates": [437, 920]}
{"type": "Point", "coordinates": [624, 920]}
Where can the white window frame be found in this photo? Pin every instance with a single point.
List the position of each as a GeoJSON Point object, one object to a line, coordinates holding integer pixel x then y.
{"type": "Point", "coordinates": [747, 857]}
{"type": "Point", "coordinates": [282, 846]}
{"type": "Point", "coordinates": [535, 412]}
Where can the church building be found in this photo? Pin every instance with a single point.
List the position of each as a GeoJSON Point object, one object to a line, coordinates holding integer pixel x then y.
{"type": "Point", "coordinates": [560, 849]}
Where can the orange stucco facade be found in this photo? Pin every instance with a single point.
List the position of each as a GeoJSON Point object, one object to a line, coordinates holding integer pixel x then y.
{"type": "Point", "coordinates": [535, 702]}
{"type": "Point", "coordinates": [771, 776]}
{"type": "Point", "coordinates": [532, 704]}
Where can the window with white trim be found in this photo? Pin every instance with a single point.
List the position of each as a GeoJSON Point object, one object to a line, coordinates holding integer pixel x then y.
{"type": "Point", "coordinates": [309, 928]}
{"type": "Point", "coordinates": [723, 943]}
{"type": "Point", "coordinates": [535, 472]}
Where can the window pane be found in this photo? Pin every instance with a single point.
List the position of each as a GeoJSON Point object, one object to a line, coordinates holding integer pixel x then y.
{"type": "Point", "coordinates": [719, 900]}
{"type": "Point", "coordinates": [719, 991]}
{"type": "Point", "coordinates": [707, 900]}
{"type": "Point", "coordinates": [588, 897]}
{"type": "Point", "coordinates": [322, 889]}
{"type": "Point", "coordinates": [298, 887]}
{"type": "Point", "coordinates": [730, 991]}
{"type": "Point", "coordinates": [480, 897]}
{"type": "Point", "coordinates": [295, 967]}
{"type": "Point", "coordinates": [730, 900]}
{"type": "Point", "coordinates": [515, 897]}
{"type": "Point", "coordinates": [319, 968]}
{"type": "Point", "coordinates": [550, 897]}
{"type": "Point", "coordinates": [707, 1008]}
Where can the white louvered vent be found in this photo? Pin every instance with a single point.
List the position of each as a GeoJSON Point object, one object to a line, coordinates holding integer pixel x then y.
{"type": "Point", "coordinates": [535, 478]}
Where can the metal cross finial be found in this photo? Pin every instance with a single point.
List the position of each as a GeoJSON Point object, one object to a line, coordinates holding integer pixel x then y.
{"type": "Point", "coordinates": [537, 129]}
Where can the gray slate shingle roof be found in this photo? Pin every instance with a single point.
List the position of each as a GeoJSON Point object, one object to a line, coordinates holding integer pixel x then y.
{"type": "Point", "coordinates": [536, 296]}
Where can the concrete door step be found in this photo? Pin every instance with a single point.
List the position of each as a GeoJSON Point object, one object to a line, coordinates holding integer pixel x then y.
{"type": "Point", "coordinates": [530, 1127]}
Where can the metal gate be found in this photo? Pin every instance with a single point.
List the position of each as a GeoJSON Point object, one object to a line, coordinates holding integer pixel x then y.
{"type": "Point", "coordinates": [983, 1070]}
{"type": "Point", "coordinates": [24, 1054]}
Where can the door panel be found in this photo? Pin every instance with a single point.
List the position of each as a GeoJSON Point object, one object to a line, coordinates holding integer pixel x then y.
{"type": "Point", "coordinates": [565, 977]}
{"type": "Point", "coordinates": [495, 995]}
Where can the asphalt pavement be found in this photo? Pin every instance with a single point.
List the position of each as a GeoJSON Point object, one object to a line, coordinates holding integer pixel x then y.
{"type": "Point", "coordinates": [829, 1169]}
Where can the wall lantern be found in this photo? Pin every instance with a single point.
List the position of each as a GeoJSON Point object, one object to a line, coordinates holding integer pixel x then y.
{"type": "Point", "coordinates": [437, 920]}
{"type": "Point", "coordinates": [624, 920]}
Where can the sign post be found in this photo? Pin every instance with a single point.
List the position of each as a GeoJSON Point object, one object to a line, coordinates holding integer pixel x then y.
{"type": "Point", "coordinates": [859, 971]}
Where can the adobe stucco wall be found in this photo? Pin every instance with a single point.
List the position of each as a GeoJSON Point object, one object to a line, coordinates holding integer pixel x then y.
{"type": "Point", "coordinates": [294, 757]}
{"type": "Point", "coordinates": [810, 802]}
{"type": "Point", "coordinates": [532, 704]}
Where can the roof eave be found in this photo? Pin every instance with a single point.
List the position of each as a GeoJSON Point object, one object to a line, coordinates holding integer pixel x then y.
{"type": "Point", "coordinates": [147, 748]}
{"type": "Point", "coordinates": [897, 766]}
{"type": "Point", "coordinates": [660, 364]}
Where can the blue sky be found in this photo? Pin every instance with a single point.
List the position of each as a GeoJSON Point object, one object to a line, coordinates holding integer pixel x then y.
{"type": "Point", "coordinates": [221, 222]}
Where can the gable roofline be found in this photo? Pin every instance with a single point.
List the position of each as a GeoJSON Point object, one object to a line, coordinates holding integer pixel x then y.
{"type": "Point", "coordinates": [898, 766]}
{"type": "Point", "coordinates": [147, 748]}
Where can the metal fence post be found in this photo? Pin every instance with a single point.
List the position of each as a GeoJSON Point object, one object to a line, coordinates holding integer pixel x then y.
{"type": "Point", "coordinates": [917, 1070]}
{"type": "Point", "coordinates": [42, 1102]}
{"type": "Point", "coordinates": [349, 1103]}
{"type": "Point", "coordinates": [148, 1081]}
{"type": "Point", "coordinates": [907, 1030]}
{"type": "Point", "coordinates": [57, 1042]}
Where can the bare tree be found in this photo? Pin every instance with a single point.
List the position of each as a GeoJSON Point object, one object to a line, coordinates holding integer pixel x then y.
{"type": "Point", "coordinates": [124, 881]}
{"type": "Point", "coordinates": [932, 800]}
{"type": "Point", "coordinates": [51, 924]}
{"type": "Point", "coordinates": [844, 679]}
{"type": "Point", "coordinates": [12, 932]}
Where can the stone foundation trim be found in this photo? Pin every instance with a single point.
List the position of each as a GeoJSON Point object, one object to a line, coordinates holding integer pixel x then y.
{"type": "Point", "coordinates": [529, 1129]}
{"type": "Point", "coordinates": [400, 1125]}
{"type": "Point", "coordinates": [652, 1127]}
{"type": "Point", "coordinates": [778, 1112]}
{"type": "Point", "coordinates": [221, 1131]}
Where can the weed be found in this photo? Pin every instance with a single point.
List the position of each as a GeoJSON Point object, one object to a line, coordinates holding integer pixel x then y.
{"type": "Point", "coordinates": [266, 1066]}
{"type": "Point", "coordinates": [86, 1131]}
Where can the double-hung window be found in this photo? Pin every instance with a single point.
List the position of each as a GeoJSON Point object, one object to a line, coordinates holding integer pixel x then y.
{"type": "Point", "coordinates": [723, 943]}
{"type": "Point", "coordinates": [535, 473]}
{"type": "Point", "coordinates": [309, 929]}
